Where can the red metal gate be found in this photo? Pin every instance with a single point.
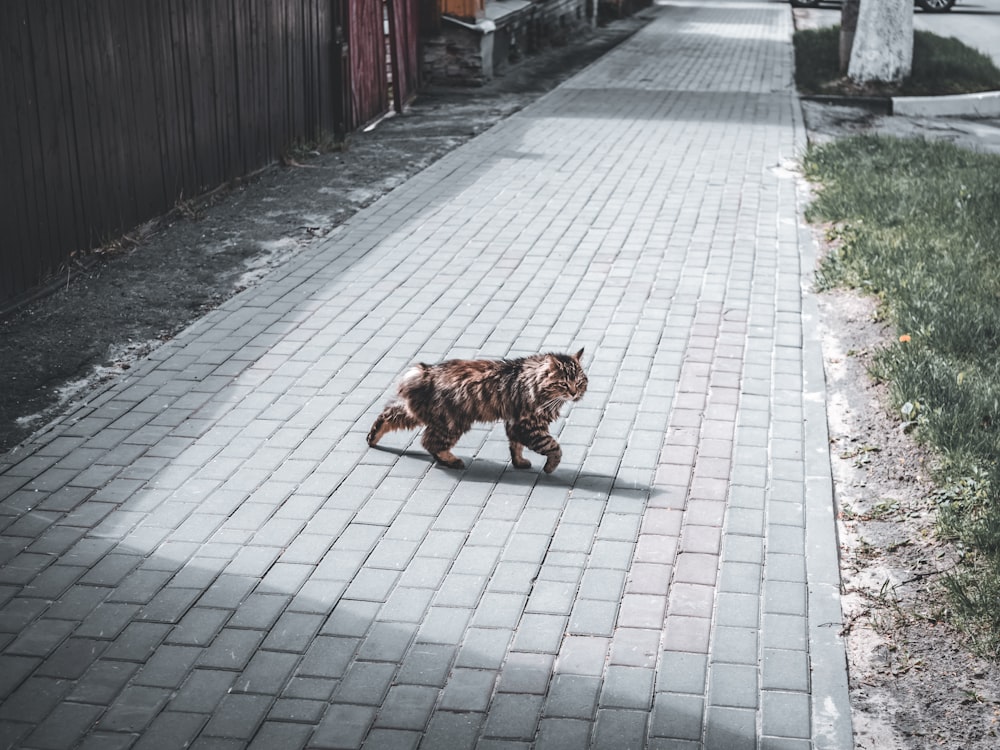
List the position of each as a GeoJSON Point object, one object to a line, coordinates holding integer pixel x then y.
{"type": "Point", "coordinates": [384, 57]}
{"type": "Point", "coordinates": [404, 29]}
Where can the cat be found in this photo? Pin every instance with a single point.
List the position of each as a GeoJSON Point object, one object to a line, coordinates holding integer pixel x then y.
{"type": "Point", "coordinates": [525, 394]}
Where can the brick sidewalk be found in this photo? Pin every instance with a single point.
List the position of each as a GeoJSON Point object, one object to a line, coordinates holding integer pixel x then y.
{"type": "Point", "coordinates": [209, 553]}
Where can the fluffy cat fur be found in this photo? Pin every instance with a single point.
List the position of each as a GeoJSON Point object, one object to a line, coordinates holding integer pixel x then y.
{"type": "Point", "coordinates": [447, 398]}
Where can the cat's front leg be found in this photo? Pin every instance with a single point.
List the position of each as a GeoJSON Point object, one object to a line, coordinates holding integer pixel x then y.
{"type": "Point", "coordinates": [516, 449]}
{"type": "Point", "coordinates": [537, 438]}
{"type": "Point", "coordinates": [553, 459]}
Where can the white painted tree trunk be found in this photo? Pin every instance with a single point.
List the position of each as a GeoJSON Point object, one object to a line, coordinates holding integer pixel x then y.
{"type": "Point", "coordinates": [883, 42]}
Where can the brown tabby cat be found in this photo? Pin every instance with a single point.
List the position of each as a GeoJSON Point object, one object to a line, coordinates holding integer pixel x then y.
{"type": "Point", "coordinates": [525, 394]}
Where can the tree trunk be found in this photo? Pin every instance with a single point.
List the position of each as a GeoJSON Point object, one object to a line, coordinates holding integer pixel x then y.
{"type": "Point", "coordinates": [883, 42]}
{"type": "Point", "coordinates": [848, 25]}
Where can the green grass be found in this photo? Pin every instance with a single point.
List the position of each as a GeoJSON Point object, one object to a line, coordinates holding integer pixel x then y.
{"type": "Point", "coordinates": [941, 65]}
{"type": "Point", "coordinates": [919, 228]}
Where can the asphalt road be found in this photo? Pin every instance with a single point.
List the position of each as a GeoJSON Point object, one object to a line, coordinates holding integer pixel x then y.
{"type": "Point", "coordinates": [975, 22]}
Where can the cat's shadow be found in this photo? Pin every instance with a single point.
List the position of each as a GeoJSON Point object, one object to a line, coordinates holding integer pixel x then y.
{"type": "Point", "coordinates": [486, 470]}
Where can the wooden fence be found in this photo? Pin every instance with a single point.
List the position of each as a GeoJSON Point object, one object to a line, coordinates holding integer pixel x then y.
{"type": "Point", "coordinates": [112, 110]}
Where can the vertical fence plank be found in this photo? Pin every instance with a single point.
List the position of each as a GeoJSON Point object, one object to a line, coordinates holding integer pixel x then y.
{"type": "Point", "coordinates": [13, 188]}
{"type": "Point", "coordinates": [25, 101]}
{"type": "Point", "coordinates": [117, 108]}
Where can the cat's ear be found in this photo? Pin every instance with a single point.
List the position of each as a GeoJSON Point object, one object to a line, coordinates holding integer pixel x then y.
{"type": "Point", "coordinates": [578, 356]}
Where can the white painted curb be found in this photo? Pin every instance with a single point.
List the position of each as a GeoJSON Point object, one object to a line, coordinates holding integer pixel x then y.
{"type": "Point", "coordinates": [985, 104]}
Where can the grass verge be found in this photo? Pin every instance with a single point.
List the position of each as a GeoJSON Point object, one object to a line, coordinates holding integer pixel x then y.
{"type": "Point", "coordinates": [917, 225]}
{"type": "Point", "coordinates": [941, 65]}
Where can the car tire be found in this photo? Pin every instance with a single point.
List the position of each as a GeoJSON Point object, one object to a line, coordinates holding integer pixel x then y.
{"type": "Point", "coordinates": [936, 6]}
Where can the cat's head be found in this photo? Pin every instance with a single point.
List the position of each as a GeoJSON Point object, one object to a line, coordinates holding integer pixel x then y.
{"type": "Point", "coordinates": [567, 380]}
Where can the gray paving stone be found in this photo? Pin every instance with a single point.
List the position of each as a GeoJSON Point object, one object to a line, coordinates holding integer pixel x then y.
{"type": "Point", "coordinates": [407, 707]}
{"type": "Point", "coordinates": [620, 728]}
{"type": "Point", "coordinates": [72, 658]}
{"type": "Point", "coordinates": [592, 617]}
{"type": "Point", "coordinates": [484, 648]}
{"type": "Point", "coordinates": [309, 688]}
{"type": "Point", "coordinates": [351, 618]}
{"type": "Point", "coordinates": [227, 591]}
{"type": "Point", "coordinates": [513, 716]}
{"type": "Point", "coordinates": [785, 669]}
{"type": "Point", "coordinates": [733, 685]}
{"type": "Point", "coordinates": [168, 666]}
{"type": "Point", "coordinates": [785, 714]}
{"type": "Point", "coordinates": [426, 664]}
{"type": "Point", "coordinates": [202, 691]}
{"type": "Point", "coordinates": [34, 699]}
{"type": "Point", "coordinates": [238, 716]}
{"type": "Point", "coordinates": [134, 709]}
{"type": "Point", "coordinates": [459, 731]}
{"type": "Point", "coordinates": [526, 673]}
{"type": "Point", "coordinates": [96, 740]}
{"type": "Point", "coordinates": [328, 657]}
{"type": "Point", "coordinates": [42, 638]}
{"type": "Point", "coordinates": [460, 590]}
{"type": "Point", "coordinates": [406, 604]}
{"type": "Point", "coordinates": [387, 641]}
{"type": "Point", "coordinates": [231, 649]}
{"type": "Point", "coordinates": [64, 727]}
{"type": "Point", "coordinates": [444, 625]}
{"type": "Point", "coordinates": [731, 728]}
{"type": "Point", "coordinates": [627, 688]}
{"type": "Point", "coordinates": [198, 627]}
{"type": "Point", "coordinates": [267, 673]}
{"type": "Point", "coordinates": [103, 682]}
{"type": "Point", "coordinates": [392, 739]}
{"type": "Point", "coordinates": [169, 605]}
{"type": "Point", "coordinates": [366, 683]}
{"type": "Point", "coordinates": [293, 632]}
{"type": "Point", "coordinates": [677, 716]}
{"type": "Point", "coordinates": [139, 587]}
{"type": "Point", "coordinates": [468, 690]}
{"type": "Point", "coordinates": [302, 711]}
{"type": "Point", "coordinates": [583, 655]}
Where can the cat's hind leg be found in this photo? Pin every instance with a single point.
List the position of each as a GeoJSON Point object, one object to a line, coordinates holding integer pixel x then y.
{"type": "Point", "coordinates": [394, 417]}
{"type": "Point", "coordinates": [439, 445]}
{"type": "Point", "coordinates": [516, 450]}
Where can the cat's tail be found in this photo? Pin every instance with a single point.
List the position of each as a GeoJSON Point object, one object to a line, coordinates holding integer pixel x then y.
{"type": "Point", "coordinates": [415, 373]}
{"type": "Point", "coordinates": [397, 415]}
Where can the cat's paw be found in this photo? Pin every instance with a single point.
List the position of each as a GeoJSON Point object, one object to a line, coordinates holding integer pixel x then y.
{"type": "Point", "coordinates": [552, 462]}
{"type": "Point", "coordinates": [452, 462]}
{"type": "Point", "coordinates": [521, 463]}
{"type": "Point", "coordinates": [375, 433]}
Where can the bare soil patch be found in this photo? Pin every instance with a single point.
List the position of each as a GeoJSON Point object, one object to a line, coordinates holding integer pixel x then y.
{"type": "Point", "coordinates": [914, 683]}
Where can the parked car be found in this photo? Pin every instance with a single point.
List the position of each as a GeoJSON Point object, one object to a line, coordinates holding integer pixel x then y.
{"type": "Point", "coordinates": [931, 6]}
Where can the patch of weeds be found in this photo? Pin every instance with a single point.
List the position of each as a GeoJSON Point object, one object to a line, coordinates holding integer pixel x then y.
{"type": "Point", "coordinates": [884, 509]}
{"type": "Point", "coordinates": [917, 227]}
{"type": "Point", "coordinates": [862, 451]}
{"type": "Point", "coordinates": [941, 65]}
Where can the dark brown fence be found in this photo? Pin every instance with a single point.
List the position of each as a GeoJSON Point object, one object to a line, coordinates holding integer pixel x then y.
{"type": "Point", "coordinates": [112, 110]}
